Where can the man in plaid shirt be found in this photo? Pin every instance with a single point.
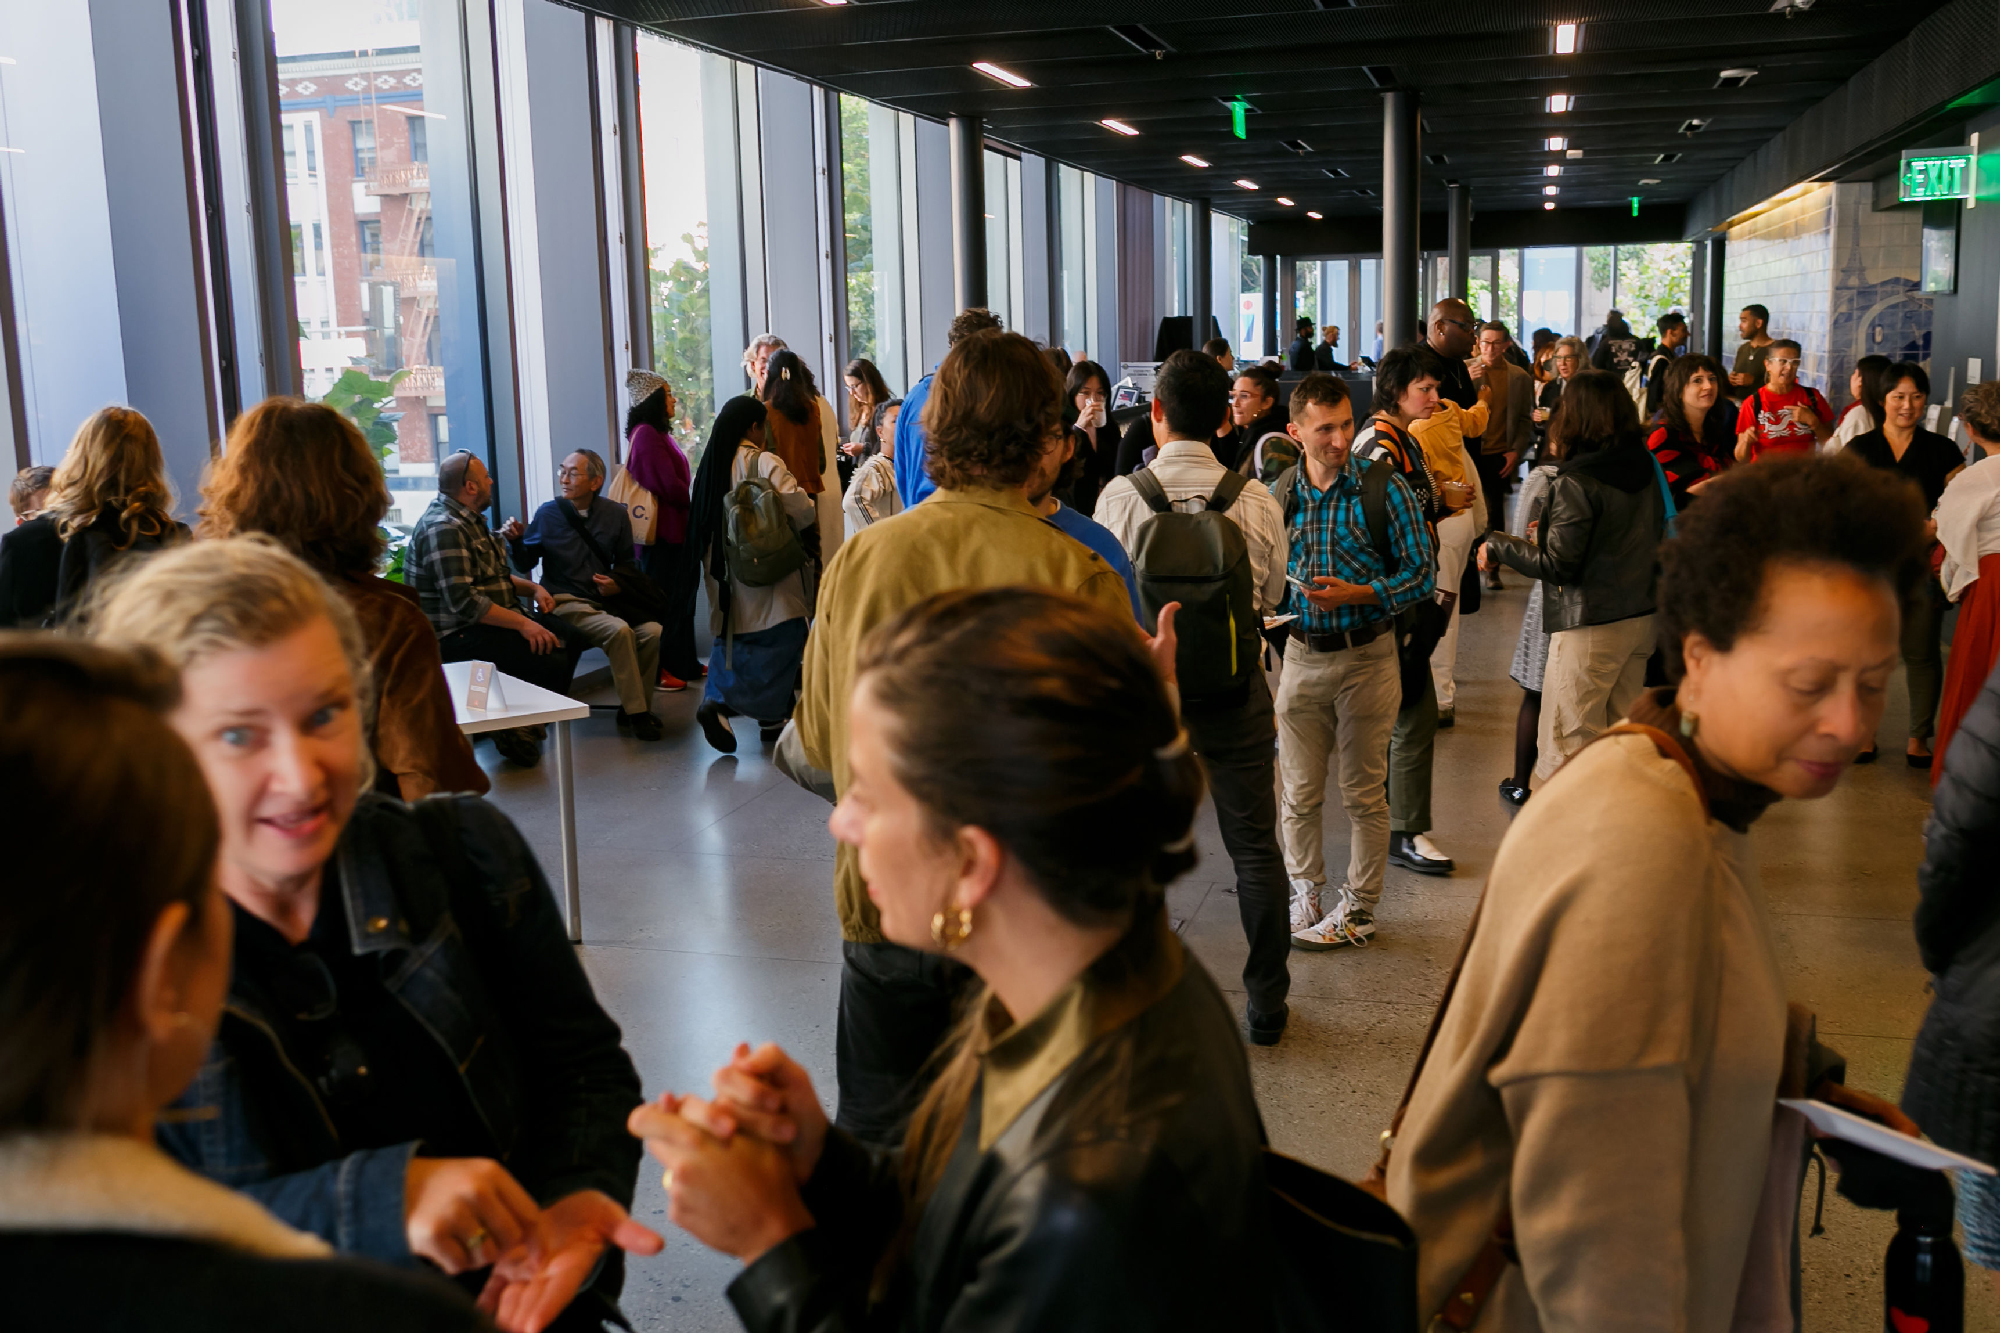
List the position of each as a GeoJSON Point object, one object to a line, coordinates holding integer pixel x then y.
{"type": "Point", "coordinates": [1341, 688]}
{"type": "Point", "coordinates": [458, 569]}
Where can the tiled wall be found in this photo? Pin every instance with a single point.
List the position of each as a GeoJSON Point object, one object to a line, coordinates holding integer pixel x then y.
{"type": "Point", "coordinates": [1839, 278]}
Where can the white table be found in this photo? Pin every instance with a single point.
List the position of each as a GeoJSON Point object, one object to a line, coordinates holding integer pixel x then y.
{"type": "Point", "coordinates": [526, 706]}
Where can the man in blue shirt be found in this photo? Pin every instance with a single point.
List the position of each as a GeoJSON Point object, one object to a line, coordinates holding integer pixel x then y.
{"type": "Point", "coordinates": [1341, 689]}
{"type": "Point", "coordinates": [577, 538]}
{"type": "Point", "coordinates": [913, 478]}
{"type": "Point", "coordinates": [1042, 495]}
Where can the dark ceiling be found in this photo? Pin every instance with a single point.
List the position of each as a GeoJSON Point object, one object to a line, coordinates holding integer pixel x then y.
{"type": "Point", "coordinates": [1312, 73]}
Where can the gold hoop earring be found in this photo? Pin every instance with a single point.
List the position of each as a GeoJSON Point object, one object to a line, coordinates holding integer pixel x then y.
{"type": "Point", "coordinates": [951, 929]}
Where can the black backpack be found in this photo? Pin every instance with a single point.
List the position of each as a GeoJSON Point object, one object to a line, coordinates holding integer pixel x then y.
{"type": "Point", "coordinates": [759, 541]}
{"type": "Point", "coordinates": [1202, 562]}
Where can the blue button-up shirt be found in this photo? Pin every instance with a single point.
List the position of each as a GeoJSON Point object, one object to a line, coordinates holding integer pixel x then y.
{"type": "Point", "coordinates": [1328, 536]}
{"type": "Point", "coordinates": [913, 478]}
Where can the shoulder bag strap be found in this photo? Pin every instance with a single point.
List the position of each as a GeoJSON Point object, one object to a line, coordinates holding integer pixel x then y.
{"type": "Point", "coordinates": [1150, 490]}
{"type": "Point", "coordinates": [575, 520]}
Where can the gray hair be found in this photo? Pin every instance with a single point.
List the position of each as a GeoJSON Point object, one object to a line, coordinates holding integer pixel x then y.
{"type": "Point", "coordinates": [1574, 346]}
{"type": "Point", "coordinates": [593, 462]}
{"type": "Point", "coordinates": [763, 342]}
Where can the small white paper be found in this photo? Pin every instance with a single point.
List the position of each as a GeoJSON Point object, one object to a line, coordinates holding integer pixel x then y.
{"type": "Point", "coordinates": [482, 688]}
{"type": "Point", "coordinates": [1974, 368]}
{"type": "Point", "coordinates": [1931, 416]}
{"type": "Point", "coordinates": [1841, 1124]}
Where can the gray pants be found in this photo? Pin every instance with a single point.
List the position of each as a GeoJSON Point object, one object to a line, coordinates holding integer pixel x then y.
{"type": "Point", "coordinates": [1338, 707]}
{"type": "Point", "coordinates": [634, 650]}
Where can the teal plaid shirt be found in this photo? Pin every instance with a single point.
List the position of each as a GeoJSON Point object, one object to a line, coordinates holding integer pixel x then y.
{"type": "Point", "coordinates": [1328, 536]}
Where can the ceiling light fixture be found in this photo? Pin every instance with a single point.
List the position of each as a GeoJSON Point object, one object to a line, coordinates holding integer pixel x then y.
{"type": "Point", "coordinates": [1555, 143]}
{"type": "Point", "coordinates": [1192, 160]}
{"type": "Point", "coordinates": [1299, 146]}
{"type": "Point", "coordinates": [1735, 78]}
{"type": "Point", "coordinates": [1006, 76]}
{"type": "Point", "coordinates": [1574, 153]}
{"type": "Point", "coordinates": [1552, 189]}
{"type": "Point", "coordinates": [1649, 180]}
{"type": "Point", "coordinates": [1566, 39]}
{"type": "Point", "coordinates": [833, 2]}
{"type": "Point", "coordinates": [1334, 172]}
{"type": "Point", "coordinates": [1118, 127]}
{"type": "Point", "coordinates": [1694, 125]}
{"type": "Point", "coordinates": [1549, 205]}
{"type": "Point", "coordinates": [1552, 170]}
{"type": "Point", "coordinates": [1244, 184]}
{"type": "Point", "coordinates": [1316, 217]}
{"type": "Point", "coordinates": [1286, 202]}
{"type": "Point", "coordinates": [1560, 102]}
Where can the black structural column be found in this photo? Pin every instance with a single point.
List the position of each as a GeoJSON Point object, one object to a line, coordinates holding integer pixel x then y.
{"type": "Point", "coordinates": [1270, 305]}
{"type": "Point", "coordinates": [968, 211]}
{"type": "Point", "coordinates": [1717, 313]}
{"type": "Point", "coordinates": [1458, 239]}
{"type": "Point", "coordinates": [1402, 183]}
{"type": "Point", "coordinates": [1201, 301]}
{"type": "Point", "coordinates": [1288, 301]}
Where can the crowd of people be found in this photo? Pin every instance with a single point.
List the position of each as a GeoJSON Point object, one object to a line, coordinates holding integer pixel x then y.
{"type": "Point", "coordinates": [304, 1032]}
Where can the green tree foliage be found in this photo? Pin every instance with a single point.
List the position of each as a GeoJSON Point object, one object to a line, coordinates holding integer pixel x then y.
{"type": "Point", "coordinates": [1653, 279]}
{"type": "Point", "coordinates": [682, 343]}
{"type": "Point", "coordinates": [360, 398]}
{"type": "Point", "coordinates": [858, 214]}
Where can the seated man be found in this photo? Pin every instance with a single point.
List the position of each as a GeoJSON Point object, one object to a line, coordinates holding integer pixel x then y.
{"type": "Point", "coordinates": [576, 539]}
{"type": "Point", "coordinates": [458, 570]}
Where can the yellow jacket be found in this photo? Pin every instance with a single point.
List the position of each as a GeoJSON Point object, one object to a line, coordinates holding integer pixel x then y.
{"type": "Point", "coordinates": [1443, 438]}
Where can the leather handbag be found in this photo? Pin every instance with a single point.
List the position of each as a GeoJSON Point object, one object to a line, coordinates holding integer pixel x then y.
{"type": "Point", "coordinates": [1347, 1259]}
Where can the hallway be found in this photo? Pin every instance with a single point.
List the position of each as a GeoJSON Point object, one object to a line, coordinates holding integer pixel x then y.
{"type": "Point", "coordinates": [708, 919]}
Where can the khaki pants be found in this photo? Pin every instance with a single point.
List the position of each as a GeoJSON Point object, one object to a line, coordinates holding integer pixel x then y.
{"type": "Point", "coordinates": [634, 650]}
{"type": "Point", "coordinates": [1338, 706]}
{"type": "Point", "coordinates": [1455, 536]}
{"type": "Point", "coordinates": [1595, 674]}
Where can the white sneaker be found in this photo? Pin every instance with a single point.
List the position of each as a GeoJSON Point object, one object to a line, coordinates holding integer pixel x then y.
{"type": "Point", "coordinates": [1347, 923]}
{"type": "Point", "coordinates": [1305, 905]}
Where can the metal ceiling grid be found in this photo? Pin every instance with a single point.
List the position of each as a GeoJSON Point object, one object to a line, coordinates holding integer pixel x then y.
{"type": "Point", "coordinates": [1484, 73]}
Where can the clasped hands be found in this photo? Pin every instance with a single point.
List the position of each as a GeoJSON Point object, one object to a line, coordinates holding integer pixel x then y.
{"type": "Point", "coordinates": [734, 1165]}
{"type": "Point", "coordinates": [463, 1213]}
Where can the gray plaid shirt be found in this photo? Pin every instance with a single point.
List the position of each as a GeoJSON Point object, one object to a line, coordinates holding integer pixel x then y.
{"type": "Point", "coordinates": [457, 566]}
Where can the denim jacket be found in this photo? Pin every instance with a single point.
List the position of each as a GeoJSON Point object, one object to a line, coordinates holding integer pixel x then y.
{"type": "Point", "coordinates": [455, 905]}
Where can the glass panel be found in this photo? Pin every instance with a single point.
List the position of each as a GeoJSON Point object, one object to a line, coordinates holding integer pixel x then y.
{"type": "Point", "coordinates": [1306, 300]}
{"type": "Point", "coordinates": [999, 243]}
{"type": "Point", "coordinates": [1548, 289]}
{"type": "Point", "coordinates": [673, 162]}
{"type": "Point", "coordinates": [1594, 303]}
{"type": "Point", "coordinates": [1336, 288]}
{"type": "Point", "coordinates": [858, 214]}
{"type": "Point", "coordinates": [368, 266]}
{"type": "Point", "coordinates": [1479, 286]}
{"type": "Point", "coordinates": [1368, 342]}
{"type": "Point", "coordinates": [1071, 187]}
{"type": "Point", "coordinates": [1509, 311]}
{"type": "Point", "coordinates": [1249, 294]}
{"type": "Point", "coordinates": [1653, 279]}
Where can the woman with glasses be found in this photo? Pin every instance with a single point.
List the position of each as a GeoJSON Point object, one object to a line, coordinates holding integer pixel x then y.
{"type": "Point", "coordinates": [1566, 357]}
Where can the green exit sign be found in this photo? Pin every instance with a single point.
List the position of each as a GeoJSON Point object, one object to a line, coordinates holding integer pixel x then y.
{"type": "Point", "coordinates": [1937, 174]}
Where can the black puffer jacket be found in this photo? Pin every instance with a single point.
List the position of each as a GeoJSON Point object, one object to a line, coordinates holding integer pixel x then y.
{"type": "Point", "coordinates": [1125, 1189]}
{"type": "Point", "coordinates": [1598, 546]}
{"type": "Point", "coordinates": [1953, 1087]}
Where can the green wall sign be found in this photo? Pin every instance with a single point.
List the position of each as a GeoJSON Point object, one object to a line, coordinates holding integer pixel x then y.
{"type": "Point", "coordinates": [1932, 174]}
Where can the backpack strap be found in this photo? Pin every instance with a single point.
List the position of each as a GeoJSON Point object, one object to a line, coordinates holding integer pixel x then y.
{"type": "Point", "coordinates": [1286, 488]}
{"type": "Point", "coordinates": [1375, 509]}
{"type": "Point", "coordinates": [1226, 491]}
{"type": "Point", "coordinates": [1149, 489]}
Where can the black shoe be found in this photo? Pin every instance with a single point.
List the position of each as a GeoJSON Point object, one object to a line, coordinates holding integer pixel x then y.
{"type": "Point", "coordinates": [1494, 584]}
{"type": "Point", "coordinates": [1513, 793]}
{"type": "Point", "coordinates": [1265, 1029]}
{"type": "Point", "coordinates": [643, 726]}
{"type": "Point", "coordinates": [715, 727]}
{"type": "Point", "coordinates": [518, 747]}
{"type": "Point", "coordinates": [1868, 756]}
{"type": "Point", "coordinates": [1403, 851]}
{"type": "Point", "coordinates": [1447, 717]}
{"type": "Point", "coordinates": [768, 732]}
{"type": "Point", "coordinates": [1917, 760]}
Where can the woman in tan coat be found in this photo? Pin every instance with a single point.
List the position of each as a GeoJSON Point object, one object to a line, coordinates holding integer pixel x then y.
{"type": "Point", "coordinates": [1604, 1076]}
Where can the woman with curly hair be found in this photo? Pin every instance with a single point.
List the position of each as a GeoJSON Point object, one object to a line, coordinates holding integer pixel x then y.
{"type": "Point", "coordinates": [110, 498]}
{"type": "Point", "coordinates": [302, 473]}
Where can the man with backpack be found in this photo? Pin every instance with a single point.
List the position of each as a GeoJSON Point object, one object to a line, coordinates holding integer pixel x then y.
{"type": "Point", "coordinates": [1359, 551]}
{"type": "Point", "coordinates": [1213, 541]}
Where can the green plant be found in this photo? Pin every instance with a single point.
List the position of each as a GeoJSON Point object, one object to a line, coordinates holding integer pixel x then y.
{"type": "Point", "coordinates": [683, 347]}
{"type": "Point", "coordinates": [360, 398]}
{"type": "Point", "coordinates": [858, 215]}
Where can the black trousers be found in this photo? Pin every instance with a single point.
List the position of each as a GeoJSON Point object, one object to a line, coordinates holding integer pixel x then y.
{"type": "Point", "coordinates": [896, 1008]}
{"type": "Point", "coordinates": [1238, 748]}
{"type": "Point", "coordinates": [1493, 480]}
{"type": "Point", "coordinates": [665, 566]}
{"type": "Point", "coordinates": [509, 653]}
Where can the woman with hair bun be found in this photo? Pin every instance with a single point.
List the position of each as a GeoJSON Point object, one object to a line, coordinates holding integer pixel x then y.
{"type": "Point", "coordinates": [1090, 1156]}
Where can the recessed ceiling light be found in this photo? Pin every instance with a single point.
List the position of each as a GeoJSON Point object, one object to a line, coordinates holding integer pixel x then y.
{"type": "Point", "coordinates": [1573, 154]}
{"type": "Point", "coordinates": [1117, 127]}
{"type": "Point", "coordinates": [833, 2]}
{"type": "Point", "coordinates": [1561, 101]}
{"type": "Point", "coordinates": [1734, 78]}
{"type": "Point", "coordinates": [1248, 185]}
{"type": "Point", "coordinates": [1555, 143]}
{"type": "Point", "coordinates": [1552, 189]}
{"type": "Point", "coordinates": [1316, 217]}
{"type": "Point", "coordinates": [1550, 204]}
{"type": "Point", "coordinates": [1552, 170]}
{"type": "Point", "coordinates": [1006, 76]}
{"type": "Point", "coordinates": [1650, 180]}
{"type": "Point", "coordinates": [1192, 160]}
{"type": "Point", "coordinates": [1694, 124]}
{"type": "Point", "coordinates": [1286, 202]}
{"type": "Point", "coordinates": [1335, 172]}
{"type": "Point", "coordinates": [1566, 39]}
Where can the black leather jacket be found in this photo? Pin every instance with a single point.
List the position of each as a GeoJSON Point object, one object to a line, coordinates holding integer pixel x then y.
{"type": "Point", "coordinates": [1598, 545]}
{"type": "Point", "coordinates": [1121, 1189]}
{"type": "Point", "coordinates": [1953, 1087]}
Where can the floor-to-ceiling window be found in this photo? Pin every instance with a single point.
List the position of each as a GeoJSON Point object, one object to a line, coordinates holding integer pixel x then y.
{"type": "Point", "coordinates": [1076, 213]}
{"type": "Point", "coordinates": [1368, 338]}
{"type": "Point", "coordinates": [1651, 280]}
{"type": "Point", "coordinates": [674, 150]}
{"type": "Point", "coordinates": [377, 192]}
{"type": "Point", "coordinates": [1004, 291]}
{"type": "Point", "coordinates": [1548, 289]}
{"type": "Point", "coordinates": [1336, 294]}
{"type": "Point", "coordinates": [1178, 273]}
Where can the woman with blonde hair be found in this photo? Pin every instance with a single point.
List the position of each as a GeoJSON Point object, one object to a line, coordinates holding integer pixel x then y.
{"type": "Point", "coordinates": [405, 1011]}
{"type": "Point", "coordinates": [110, 498]}
{"type": "Point", "coordinates": [302, 473]}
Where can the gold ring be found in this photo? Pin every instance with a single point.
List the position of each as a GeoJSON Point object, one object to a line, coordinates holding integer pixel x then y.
{"type": "Point", "coordinates": [476, 1242]}
{"type": "Point", "coordinates": [667, 1180]}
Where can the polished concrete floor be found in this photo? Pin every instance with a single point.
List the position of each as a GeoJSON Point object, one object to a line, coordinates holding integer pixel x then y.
{"type": "Point", "coordinates": [708, 919]}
